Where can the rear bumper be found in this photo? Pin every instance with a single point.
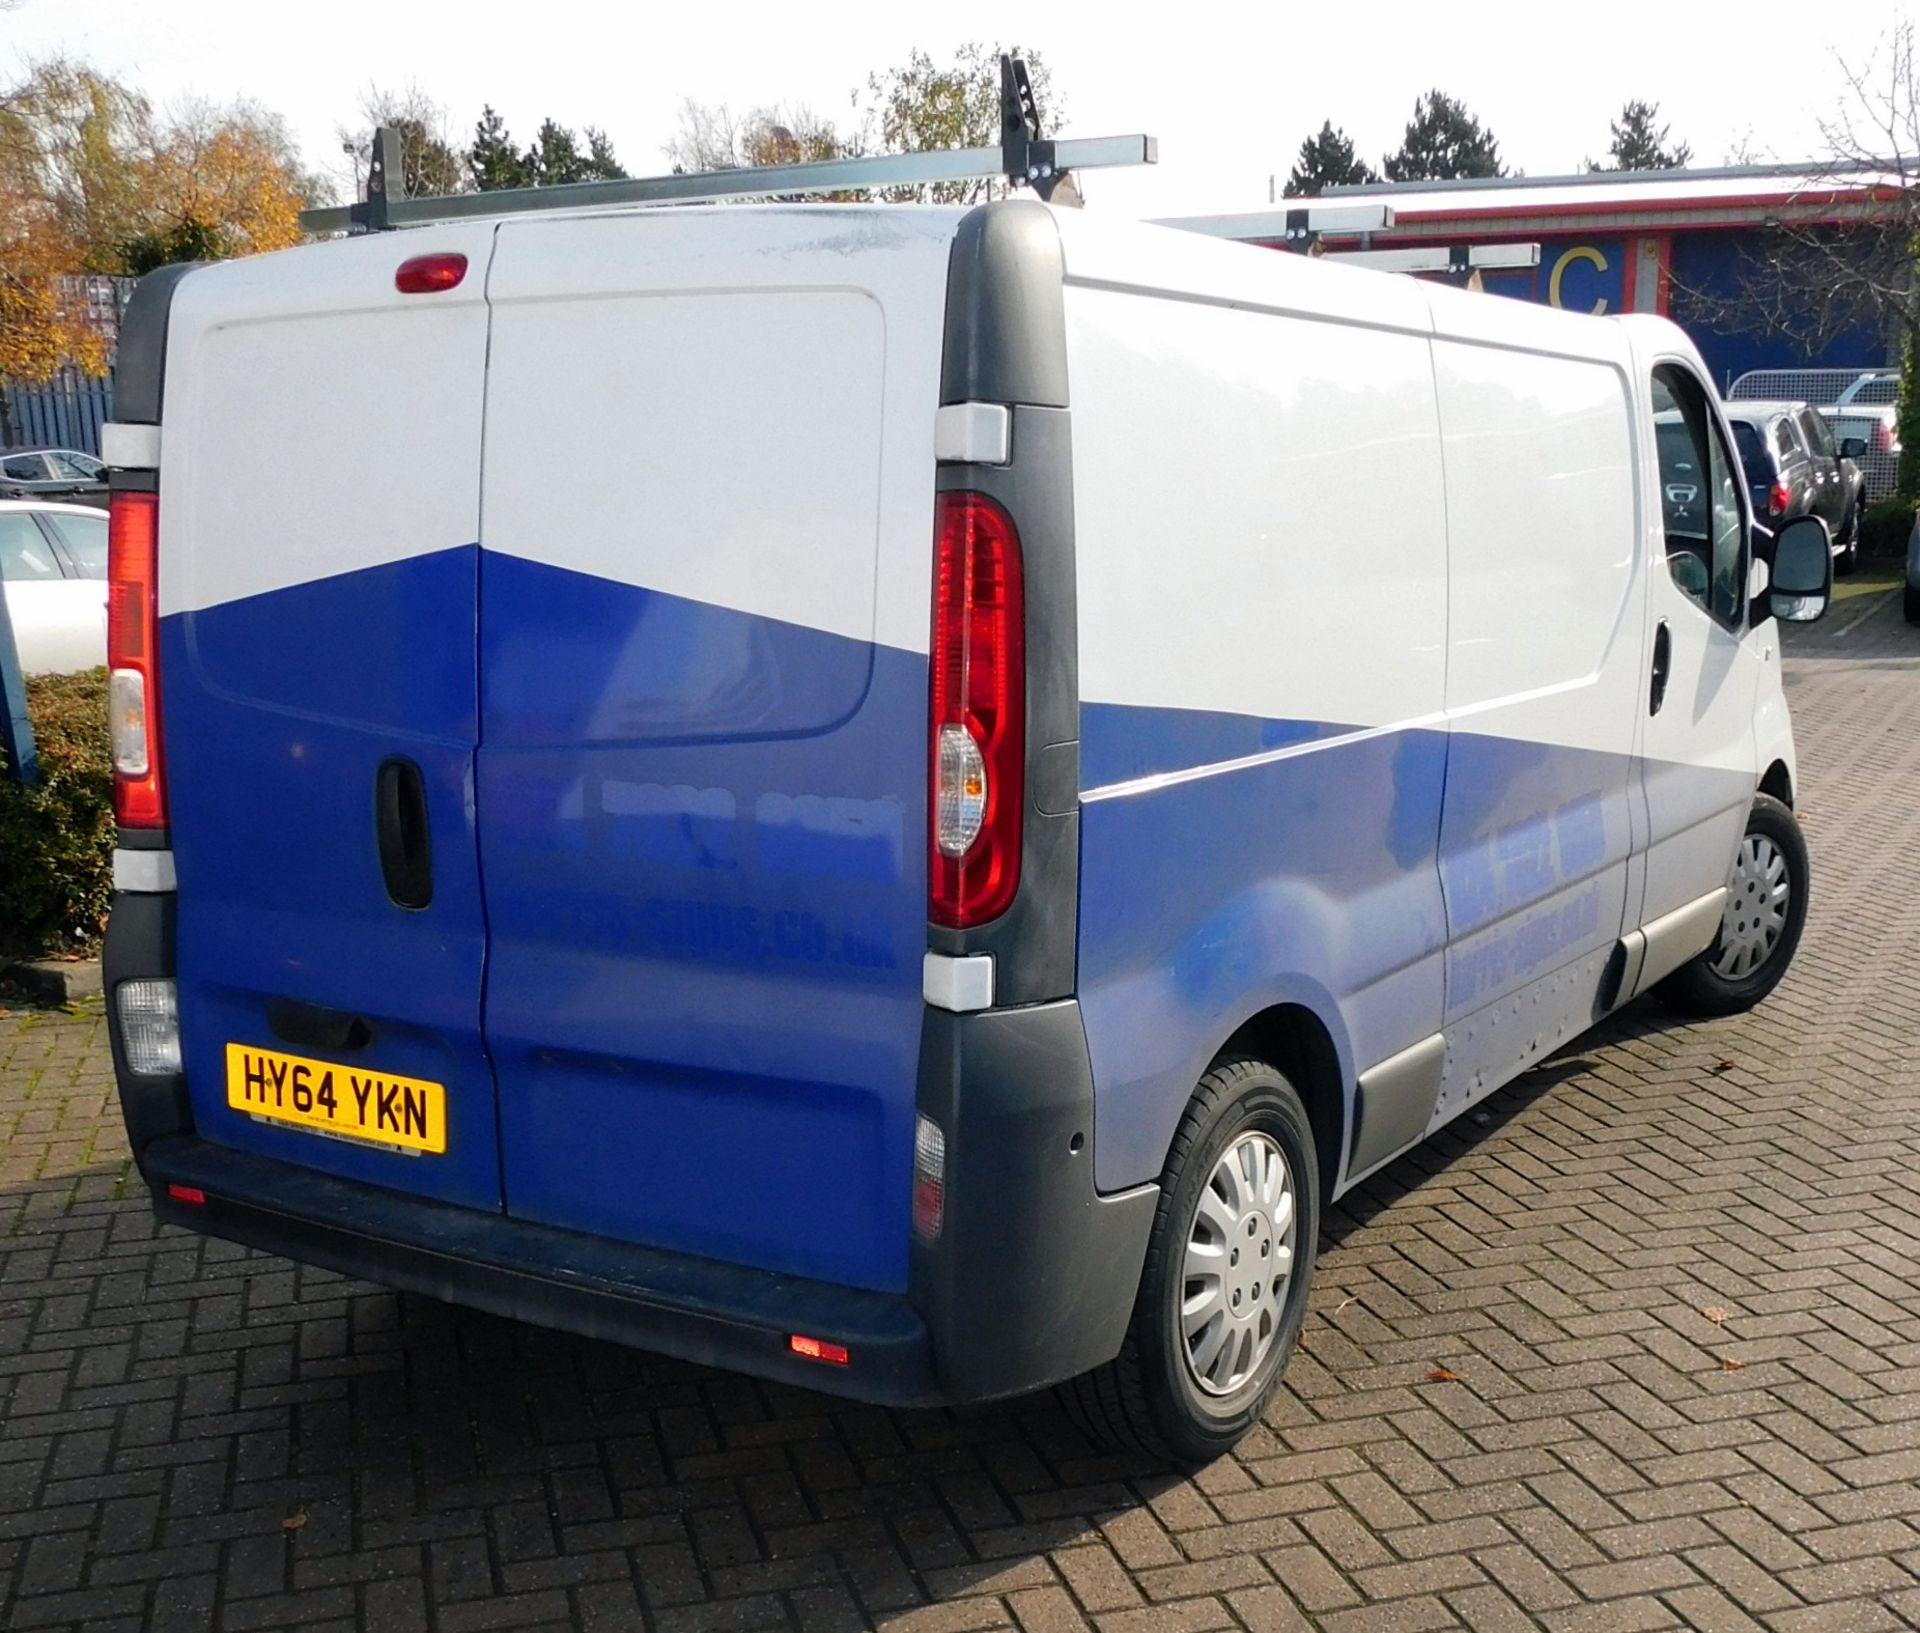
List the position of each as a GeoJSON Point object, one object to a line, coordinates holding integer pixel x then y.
{"type": "Point", "coordinates": [696, 1309]}
{"type": "Point", "coordinates": [1031, 1280]}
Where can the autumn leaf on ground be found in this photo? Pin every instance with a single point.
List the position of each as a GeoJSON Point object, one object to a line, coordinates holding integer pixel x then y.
{"type": "Point", "coordinates": [1724, 1066]}
{"type": "Point", "coordinates": [1715, 1314]}
{"type": "Point", "coordinates": [1441, 1375]}
{"type": "Point", "coordinates": [293, 1522]}
{"type": "Point", "coordinates": [1729, 1364]}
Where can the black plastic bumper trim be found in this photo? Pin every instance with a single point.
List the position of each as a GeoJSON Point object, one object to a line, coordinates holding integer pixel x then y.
{"type": "Point", "coordinates": [674, 1304]}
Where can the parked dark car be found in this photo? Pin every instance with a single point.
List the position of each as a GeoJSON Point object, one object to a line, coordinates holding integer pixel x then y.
{"type": "Point", "coordinates": [64, 474]}
{"type": "Point", "coordinates": [1795, 468]}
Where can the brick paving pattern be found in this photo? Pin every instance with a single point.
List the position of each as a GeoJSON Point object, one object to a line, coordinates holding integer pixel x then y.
{"type": "Point", "coordinates": [1635, 1348]}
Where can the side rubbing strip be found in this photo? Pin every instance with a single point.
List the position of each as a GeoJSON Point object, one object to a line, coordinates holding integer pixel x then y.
{"type": "Point", "coordinates": [1395, 1101]}
{"type": "Point", "coordinates": [1675, 937]}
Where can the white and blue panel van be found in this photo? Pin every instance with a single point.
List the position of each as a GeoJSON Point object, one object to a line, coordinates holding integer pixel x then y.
{"type": "Point", "coordinates": [896, 798]}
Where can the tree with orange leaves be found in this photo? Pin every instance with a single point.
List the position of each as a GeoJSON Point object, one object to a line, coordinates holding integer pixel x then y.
{"type": "Point", "coordinates": [91, 183]}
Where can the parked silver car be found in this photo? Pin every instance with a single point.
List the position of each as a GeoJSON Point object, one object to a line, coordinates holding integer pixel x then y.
{"type": "Point", "coordinates": [53, 574]}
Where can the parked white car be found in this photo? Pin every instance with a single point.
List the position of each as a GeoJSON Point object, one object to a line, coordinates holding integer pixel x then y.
{"type": "Point", "coordinates": [53, 570]}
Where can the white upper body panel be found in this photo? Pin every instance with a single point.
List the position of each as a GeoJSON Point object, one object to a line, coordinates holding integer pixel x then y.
{"type": "Point", "coordinates": [731, 405]}
{"type": "Point", "coordinates": [316, 420]}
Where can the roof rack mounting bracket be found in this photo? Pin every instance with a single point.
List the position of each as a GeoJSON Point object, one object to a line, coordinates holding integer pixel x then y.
{"type": "Point", "coordinates": [1024, 159]}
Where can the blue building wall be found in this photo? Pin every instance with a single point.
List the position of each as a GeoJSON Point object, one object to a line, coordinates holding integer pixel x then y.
{"type": "Point", "coordinates": [1722, 265]}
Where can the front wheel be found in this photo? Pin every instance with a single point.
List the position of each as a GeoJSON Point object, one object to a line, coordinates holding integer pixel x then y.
{"type": "Point", "coordinates": [1224, 1289]}
{"type": "Point", "coordinates": [1766, 908]}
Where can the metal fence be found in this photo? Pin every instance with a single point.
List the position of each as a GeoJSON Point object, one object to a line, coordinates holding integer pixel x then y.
{"type": "Point", "coordinates": [1819, 386]}
{"type": "Point", "coordinates": [67, 412]}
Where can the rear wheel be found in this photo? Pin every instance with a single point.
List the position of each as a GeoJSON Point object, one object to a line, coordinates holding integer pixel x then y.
{"type": "Point", "coordinates": [1911, 605]}
{"type": "Point", "coordinates": [1849, 557]}
{"type": "Point", "coordinates": [1224, 1289]}
{"type": "Point", "coordinates": [1766, 909]}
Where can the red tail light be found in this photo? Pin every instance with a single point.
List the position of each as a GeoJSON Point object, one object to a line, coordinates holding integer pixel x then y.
{"type": "Point", "coordinates": [1882, 437]}
{"type": "Point", "coordinates": [977, 740]}
{"type": "Point", "coordinates": [139, 786]}
{"type": "Point", "coordinates": [1779, 496]}
{"type": "Point", "coordinates": [818, 1349]}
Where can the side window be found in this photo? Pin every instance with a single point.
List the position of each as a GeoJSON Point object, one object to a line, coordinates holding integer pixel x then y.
{"type": "Point", "coordinates": [1818, 434]}
{"type": "Point", "coordinates": [86, 542]}
{"type": "Point", "coordinates": [1705, 526]}
{"type": "Point", "coordinates": [24, 468]}
{"type": "Point", "coordinates": [1783, 438]}
{"type": "Point", "coordinates": [74, 468]}
{"type": "Point", "coordinates": [25, 555]}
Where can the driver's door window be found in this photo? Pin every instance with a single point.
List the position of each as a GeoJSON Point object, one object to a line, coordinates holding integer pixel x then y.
{"type": "Point", "coordinates": [1706, 532]}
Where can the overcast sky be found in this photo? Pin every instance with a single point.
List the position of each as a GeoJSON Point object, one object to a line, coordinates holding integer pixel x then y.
{"type": "Point", "coordinates": [1229, 95]}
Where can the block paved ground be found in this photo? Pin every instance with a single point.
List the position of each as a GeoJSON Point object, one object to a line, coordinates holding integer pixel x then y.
{"type": "Point", "coordinates": [1671, 1275]}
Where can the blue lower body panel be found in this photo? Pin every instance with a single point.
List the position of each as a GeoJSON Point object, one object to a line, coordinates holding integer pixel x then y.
{"type": "Point", "coordinates": [702, 836]}
{"type": "Point", "coordinates": [1310, 878]}
{"type": "Point", "coordinates": [277, 712]}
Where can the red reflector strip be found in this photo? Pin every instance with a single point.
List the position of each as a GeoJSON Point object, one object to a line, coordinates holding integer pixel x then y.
{"type": "Point", "coordinates": [189, 1194]}
{"type": "Point", "coordinates": [817, 1349]}
{"type": "Point", "coordinates": [428, 274]}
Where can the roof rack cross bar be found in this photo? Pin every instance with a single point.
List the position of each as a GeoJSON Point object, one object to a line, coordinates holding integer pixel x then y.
{"type": "Point", "coordinates": [1022, 159]}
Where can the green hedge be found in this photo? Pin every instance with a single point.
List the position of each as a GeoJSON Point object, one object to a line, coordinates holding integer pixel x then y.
{"type": "Point", "coordinates": [1885, 528]}
{"type": "Point", "coordinates": [56, 838]}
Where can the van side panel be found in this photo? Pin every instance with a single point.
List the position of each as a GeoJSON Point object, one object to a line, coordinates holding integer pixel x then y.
{"type": "Point", "coordinates": [1262, 579]}
{"type": "Point", "coordinates": [1544, 682]}
{"type": "Point", "coordinates": [708, 499]}
{"type": "Point", "coordinates": [318, 559]}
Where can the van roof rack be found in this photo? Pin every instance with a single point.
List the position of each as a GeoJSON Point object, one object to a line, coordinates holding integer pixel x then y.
{"type": "Point", "coordinates": [1023, 158]}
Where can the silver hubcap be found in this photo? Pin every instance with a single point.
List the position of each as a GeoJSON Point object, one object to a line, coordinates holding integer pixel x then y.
{"type": "Point", "coordinates": [1757, 898]}
{"type": "Point", "coordinates": [1239, 1260]}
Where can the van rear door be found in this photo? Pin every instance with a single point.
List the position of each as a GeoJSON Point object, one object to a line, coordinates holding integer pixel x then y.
{"type": "Point", "coordinates": [708, 522]}
{"type": "Point", "coordinates": [318, 528]}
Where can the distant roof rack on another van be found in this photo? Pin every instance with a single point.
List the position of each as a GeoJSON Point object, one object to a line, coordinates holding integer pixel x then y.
{"type": "Point", "coordinates": [1024, 158]}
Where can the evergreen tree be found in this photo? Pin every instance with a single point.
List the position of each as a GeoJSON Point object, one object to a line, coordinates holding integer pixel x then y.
{"type": "Point", "coordinates": [555, 156]}
{"type": "Point", "coordinates": [1327, 160]}
{"type": "Point", "coordinates": [492, 161]}
{"type": "Point", "coordinates": [1443, 142]}
{"type": "Point", "coordinates": [600, 164]}
{"type": "Point", "coordinates": [1639, 145]}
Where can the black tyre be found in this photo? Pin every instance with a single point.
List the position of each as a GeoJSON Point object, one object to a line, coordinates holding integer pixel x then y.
{"type": "Point", "coordinates": [1911, 605]}
{"type": "Point", "coordinates": [1766, 909]}
{"type": "Point", "coordinates": [1849, 557]}
{"type": "Point", "coordinates": [1224, 1289]}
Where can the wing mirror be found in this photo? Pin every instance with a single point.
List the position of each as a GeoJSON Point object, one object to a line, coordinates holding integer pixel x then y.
{"type": "Point", "coordinates": [1799, 574]}
{"type": "Point", "coordinates": [1852, 447]}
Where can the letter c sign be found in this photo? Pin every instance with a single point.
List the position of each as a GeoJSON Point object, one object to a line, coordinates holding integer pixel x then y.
{"type": "Point", "coordinates": [1580, 252]}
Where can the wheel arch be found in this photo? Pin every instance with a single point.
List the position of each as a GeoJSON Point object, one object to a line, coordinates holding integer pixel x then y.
{"type": "Point", "coordinates": [1291, 1037]}
{"type": "Point", "coordinates": [1778, 781]}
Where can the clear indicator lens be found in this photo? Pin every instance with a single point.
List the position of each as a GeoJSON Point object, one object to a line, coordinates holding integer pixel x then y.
{"type": "Point", "coordinates": [960, 791]}
{"type": "Point", "coordinates": [149, 1025]}
{"type": "Point", "coordinates": [127, 718]}
{"type": "Point", "coordinates": [929, 1178]}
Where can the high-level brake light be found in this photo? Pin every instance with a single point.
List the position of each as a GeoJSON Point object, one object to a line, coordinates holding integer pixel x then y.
{"type": "Point", "coordinates": [429, 274]}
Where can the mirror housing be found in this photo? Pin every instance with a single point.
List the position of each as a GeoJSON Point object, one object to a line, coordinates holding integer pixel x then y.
{"type": "Point", "coordinates": [1800, 574]}
{"type": "Point", "coordinates": [1852, 447]}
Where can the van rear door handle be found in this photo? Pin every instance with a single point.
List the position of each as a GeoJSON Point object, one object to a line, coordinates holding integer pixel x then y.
{"type": "Point", "coordinates": [1662, 662]}
{"type": "Point", "coordinates": [400, 828]}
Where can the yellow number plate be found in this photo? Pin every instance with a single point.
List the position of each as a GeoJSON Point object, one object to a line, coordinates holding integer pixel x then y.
{"type": "Point", "coordinates": [344, 1100]}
